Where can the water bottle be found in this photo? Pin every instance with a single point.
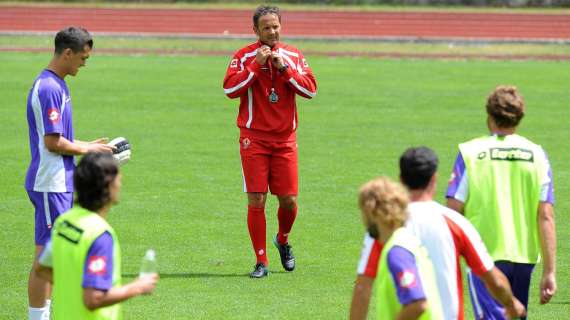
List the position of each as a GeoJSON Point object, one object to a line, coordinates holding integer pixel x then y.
{"type": "Point", "coordinates": [148, 265]}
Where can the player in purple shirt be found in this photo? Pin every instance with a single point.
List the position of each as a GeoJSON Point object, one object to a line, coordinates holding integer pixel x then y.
{"type": "Point", "coordinates": [49, 180]}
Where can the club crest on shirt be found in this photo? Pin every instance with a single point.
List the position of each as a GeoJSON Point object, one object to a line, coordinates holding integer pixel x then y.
{"type": "Point", "coordinates": [305, 64]}
{"type": "Point", "coordinates": [53, 115]}
{"type": "Point", "coordinates": [233, 64]}
{"type": "Point", "coordinates": [246, 142]}
{"type": "Point", "coordinates": [406, 279]}
{"type": "Point", "coordinates": [97, 265]}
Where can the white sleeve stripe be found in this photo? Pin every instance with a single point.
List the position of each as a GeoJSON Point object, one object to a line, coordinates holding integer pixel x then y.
{"type": "Point", "coordinates": [245, 56]}
{"type": "Point", "coordinates": [291, 53]}
{"type": "Point", "coordinates": [303, 90]}
{"type": "Point", "coordinates": [462, 189]}
{"type": "Point", "coordinates": [365, 254]}
{"type": "Point", "coordinates": [240, 85]}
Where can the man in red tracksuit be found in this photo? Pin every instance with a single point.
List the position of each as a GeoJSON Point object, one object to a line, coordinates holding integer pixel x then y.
{"type": "Point", "coordinates": [266, 76]}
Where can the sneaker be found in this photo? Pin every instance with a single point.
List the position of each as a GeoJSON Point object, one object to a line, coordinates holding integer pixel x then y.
{"type": "Point", "coordinates": [260, 271]}
{"type": "Point", "coordinates": [286, 254]}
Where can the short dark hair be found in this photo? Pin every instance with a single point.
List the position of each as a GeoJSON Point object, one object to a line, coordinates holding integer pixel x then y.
{"type": "Point", "coordinates": [506, 106]}
{"type": "Point", "coordinates": [92, 179]}
{"type": "Point", "coordinates": [263, 10]}
{"type": "Point", "coordinates": [74, 38]}
{"type": "Point", "coordinates": [417, 166]}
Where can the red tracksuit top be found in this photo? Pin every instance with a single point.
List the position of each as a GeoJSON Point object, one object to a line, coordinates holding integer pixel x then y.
{"type": "Point", "coordinates": [245, 78]}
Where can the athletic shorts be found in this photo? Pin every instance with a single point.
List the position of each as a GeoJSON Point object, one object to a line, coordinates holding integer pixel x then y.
{"type": "Point", "coordinates": [269, 164]}
{"type": "Point", "coordinates": [484, 305]}
{"type": "Point", "coordinates": [48, 206]}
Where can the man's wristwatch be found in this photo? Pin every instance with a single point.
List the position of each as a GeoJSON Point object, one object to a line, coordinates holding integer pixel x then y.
{"type": "Point", "coordinates": [283, 68]}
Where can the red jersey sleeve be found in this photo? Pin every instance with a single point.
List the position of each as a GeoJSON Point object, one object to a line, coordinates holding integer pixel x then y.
{"type": "Point", "coordinates": [299, 76]}
{"type": "Point", "coordinates": [240, 75]}
{"type": "Point", "coordinates": [469, 244]}
{"type": "Point", "coordinates": [369, 257]}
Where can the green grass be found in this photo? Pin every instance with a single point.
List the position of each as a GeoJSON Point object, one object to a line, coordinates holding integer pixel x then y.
{"type": "Point", "coordinates": [311, 47]}
{"type": "Point", "coordinates": [182, 190]}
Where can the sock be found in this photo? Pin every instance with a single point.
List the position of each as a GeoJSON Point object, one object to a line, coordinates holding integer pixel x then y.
{"type": "Point", "coordinates": [256, 227]}
{"type": "Point", "coordinates": [286, 219]}
{"type": "Point", "coordinates": [48, 309]}
{"type": "Point", "coordinates": [38, 313]}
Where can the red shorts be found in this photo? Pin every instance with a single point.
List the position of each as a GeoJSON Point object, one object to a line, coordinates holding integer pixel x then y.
{"type": "Point", "coordinates": [269, 164]}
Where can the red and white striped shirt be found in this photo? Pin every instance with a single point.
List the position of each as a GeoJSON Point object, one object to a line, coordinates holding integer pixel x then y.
{"type": "Point", "coordinates": [447, 235]}
{"type": "Point", "coordinates": [252, 83]}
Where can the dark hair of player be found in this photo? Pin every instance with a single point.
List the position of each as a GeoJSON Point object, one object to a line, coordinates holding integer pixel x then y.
{"type": "Point", "coordinates": [92, 179]}
{"type": "Point", "coordinates": [505, 106]}
{"type": "Point", "coordinates": [417, 166]}
{"type": "Point", "coordinates": [73, 38]}
{"type": "Point", "coordinates": [263, 10]}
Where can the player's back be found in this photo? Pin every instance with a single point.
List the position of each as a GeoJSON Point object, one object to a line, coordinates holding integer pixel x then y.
{"type": "Point", "coordinates": [447, 235]}
{"type": "Point", "coordinates": [505, 175]}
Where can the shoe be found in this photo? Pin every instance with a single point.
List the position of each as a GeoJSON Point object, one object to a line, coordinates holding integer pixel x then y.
{"type": "Point", "coordinates": [286, 254]}
{"type": "Point", "coordinates": [260, 271]}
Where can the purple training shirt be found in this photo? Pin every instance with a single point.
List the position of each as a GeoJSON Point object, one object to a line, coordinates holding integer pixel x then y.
{"type": "Point", "coordinates": [404, 271]}
{"type": "Point", "coordinates": [98, 268]}
{"type": "Point", "coordinates": [49, 112]}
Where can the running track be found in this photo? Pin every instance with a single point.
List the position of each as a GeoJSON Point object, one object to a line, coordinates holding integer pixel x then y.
{"type": "Point", "coordinates": [299, 24]}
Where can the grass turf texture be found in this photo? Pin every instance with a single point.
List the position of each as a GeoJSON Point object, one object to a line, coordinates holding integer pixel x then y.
{"type": "Point", "coordinates": [182, 189]}
{"type": "Point", "coordinates": [309, 46]}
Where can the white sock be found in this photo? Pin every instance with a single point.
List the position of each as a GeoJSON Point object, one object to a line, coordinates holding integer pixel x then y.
{"type": "Point", "coordinates": [38, 313]}
{"type": "Point", "coordinates": [47, 310]}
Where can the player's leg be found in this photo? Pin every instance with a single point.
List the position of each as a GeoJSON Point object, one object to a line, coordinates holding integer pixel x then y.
{"type": "Point", "coordinates": [283, 182]}
{"type": "Point", "coordinates": [484, 305]}
{"type": "Point", "coordinates": [48, 206]}
{"type": "Point", "coordinates": [520, 281]}
{"type": "Point", "coordinates": [255, 168]}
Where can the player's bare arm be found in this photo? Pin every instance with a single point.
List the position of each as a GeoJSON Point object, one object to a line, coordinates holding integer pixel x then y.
{"type": "Point", "coordinates": [58, 144]}
{"type": "Point", "coordinates": [455, 204]}
{"type": "Point", "coordinates": [413, 311]}
{"type": "Point", "coordinates": [498, 285]}
{"type": "Point", "coordinates": [547, 232]}
{"type": "Point", "coordinates": [94, 298]}
{"type": "Point", "coordinates": [361, 297]}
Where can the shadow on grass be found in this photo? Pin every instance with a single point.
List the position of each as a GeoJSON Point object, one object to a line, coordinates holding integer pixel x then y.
{"type": "Point", "coordinates": [199, 275]}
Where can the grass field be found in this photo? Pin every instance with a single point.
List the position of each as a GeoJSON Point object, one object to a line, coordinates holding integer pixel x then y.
{"type": "Point", "coordinates": [182, 189]}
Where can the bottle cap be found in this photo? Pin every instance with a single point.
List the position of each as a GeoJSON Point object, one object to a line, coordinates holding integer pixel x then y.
{"type": "Point", "coordinates": [150, 254]}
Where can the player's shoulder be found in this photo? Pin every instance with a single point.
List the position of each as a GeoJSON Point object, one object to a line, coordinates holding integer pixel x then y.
{"type": "Point", "coordinates": [48, 83]}
{"type": "Point", "coordinates": [248, 49]}
{"type": "Point", "coordinates": [289, 49]}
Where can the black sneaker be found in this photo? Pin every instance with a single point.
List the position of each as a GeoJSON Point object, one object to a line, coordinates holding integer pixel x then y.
{"type": "Point", "coordinates": [286, 254]}
{"type": "Point", "coordinates": [260, 271]}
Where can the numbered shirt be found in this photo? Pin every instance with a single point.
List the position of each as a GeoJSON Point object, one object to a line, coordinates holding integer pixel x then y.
{"type": "Point", "coordinates": [49, 112]}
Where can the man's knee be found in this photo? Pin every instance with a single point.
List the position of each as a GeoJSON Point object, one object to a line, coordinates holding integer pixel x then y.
{"type": "Point", "coordinates": [256, 199]}
{"type": "Point", "coordinates": [288, 202]}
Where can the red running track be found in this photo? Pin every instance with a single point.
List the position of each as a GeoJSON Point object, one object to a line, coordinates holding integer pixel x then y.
{"type": "Point", "coordinates": [310, 24]}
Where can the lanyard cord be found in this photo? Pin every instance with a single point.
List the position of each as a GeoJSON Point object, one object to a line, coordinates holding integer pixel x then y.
{"type": "Point", "coordinates": [271, 74]}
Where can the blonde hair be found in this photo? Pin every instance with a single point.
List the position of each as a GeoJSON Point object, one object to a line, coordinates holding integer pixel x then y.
{"type": "Point", "coordinates": [385, 199]}
{"type": "Point", "coordinates": [505, 106]}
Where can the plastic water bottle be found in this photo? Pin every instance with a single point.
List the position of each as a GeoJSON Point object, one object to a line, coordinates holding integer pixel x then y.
{"type": "Point", "coordinates": [148, 265]}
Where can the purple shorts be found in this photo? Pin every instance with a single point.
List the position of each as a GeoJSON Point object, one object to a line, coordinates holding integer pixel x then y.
{"type": "Point", "coordinates": [48, 206]}
{"type": "Point", "coordinates": [484, 305]}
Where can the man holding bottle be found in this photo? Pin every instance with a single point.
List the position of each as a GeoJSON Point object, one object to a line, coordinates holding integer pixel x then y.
{"type": "Point", "coordinates": [83, 258]}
